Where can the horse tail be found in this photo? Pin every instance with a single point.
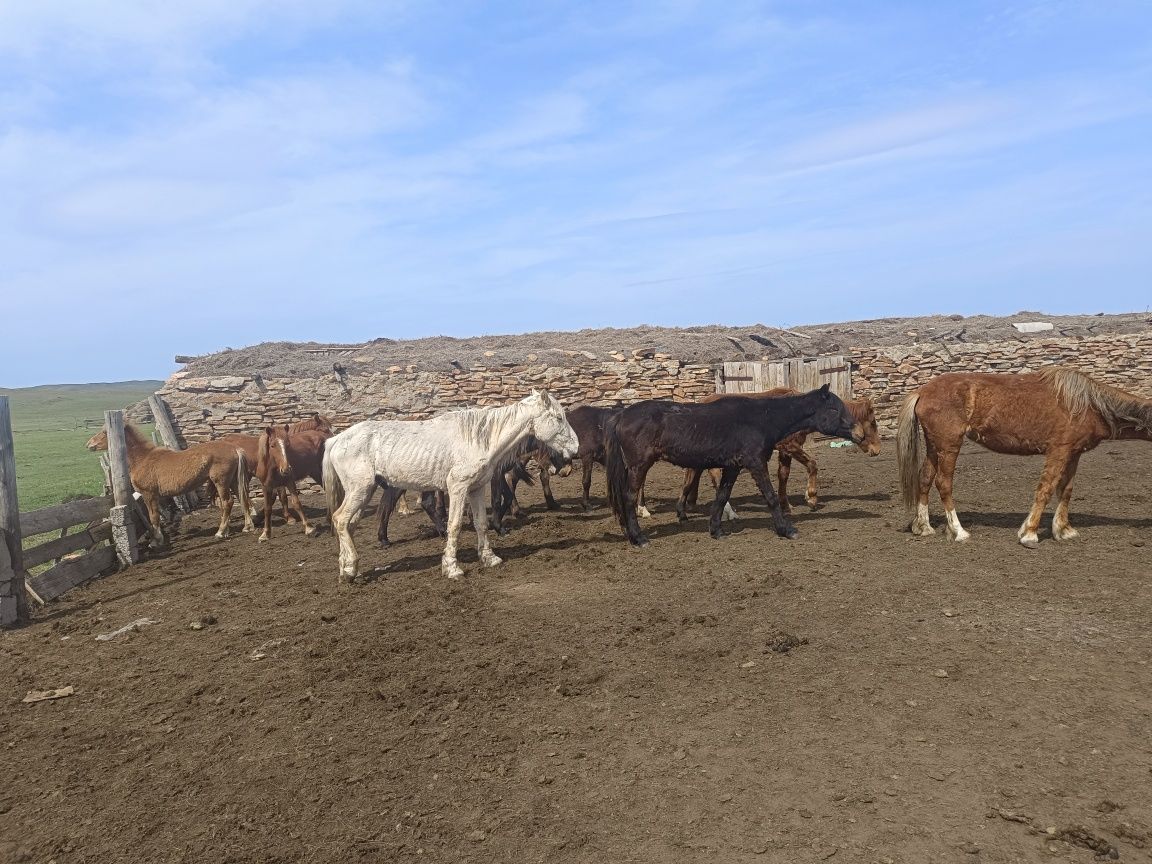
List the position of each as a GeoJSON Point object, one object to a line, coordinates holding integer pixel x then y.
{"type": "Point", "coordinates": [617, 471]}
{"type": "Point", "coordinates": [333, 489]}
{"type": "Point", "coordinates": [908, 455]}
{"type": "Point", "coordinates": [242, 478]}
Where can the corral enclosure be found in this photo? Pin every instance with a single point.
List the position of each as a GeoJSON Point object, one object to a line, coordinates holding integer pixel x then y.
{"type": "Point", "coordinates": [853, 695]}
{"type": "Point", "coordinates": [241, 390]}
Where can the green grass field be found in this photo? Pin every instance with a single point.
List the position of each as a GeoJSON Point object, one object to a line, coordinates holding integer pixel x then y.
{"type": "Point", "coordinates": [49, 432]}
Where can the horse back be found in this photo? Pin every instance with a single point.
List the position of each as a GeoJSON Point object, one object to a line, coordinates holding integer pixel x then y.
{"type": "Point", "coordinates": [1012, 413]}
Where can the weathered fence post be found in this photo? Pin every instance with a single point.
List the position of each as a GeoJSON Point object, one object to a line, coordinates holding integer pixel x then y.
{"type": "Point", "coordinates": [13, 599]}
{"type": "Point", "coordinates": [163, 418]}
{"type": "Point", "coordinates": [124, 537]}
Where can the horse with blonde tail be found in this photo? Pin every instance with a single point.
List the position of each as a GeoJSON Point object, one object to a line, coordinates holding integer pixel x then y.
{"type": "Point", "coordinates": [455, 452]}
{"type": "Point", "coordinates": [1058, 413]}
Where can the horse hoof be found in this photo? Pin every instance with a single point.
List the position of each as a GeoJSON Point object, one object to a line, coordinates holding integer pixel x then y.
{"type": "Point", "coordinates": [552, 505]}
{"type": "Point", "coordinates": [263, 538]}
{"type": "Point", "coordinates": [492, 561]}
{"type": "Point", "coordinates": [1065, 534]}
{"type": "Point", "coordinates": [790, 534]}
{"type": "Point", "coordinates": [309, 532]}
{"type": "Point", "coordinates": [641, 543]}
{"type": "Point", "coordinates": [1030, 541]}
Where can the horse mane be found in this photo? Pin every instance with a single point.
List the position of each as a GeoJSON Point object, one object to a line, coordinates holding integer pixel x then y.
{"type": "Point", "coordinates": [1079, 393]}
{"type": "Point", "coordinates": [133, 438]}
{"type": "Point", "coordinates": [862, 410]}
{"type": "Point", "coordinates": [480, 426]}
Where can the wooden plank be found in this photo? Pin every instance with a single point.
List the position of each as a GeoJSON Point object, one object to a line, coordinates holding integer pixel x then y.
{"type": "Point", "coordinates": [14, 603]}
{"type": "Point", "coordinates": [62, 546]}
{"type": "Point", "coordinates": [60, 516]}
{"type": "Point", "coordinates": [168, 434]}
{"type": "Point", "coordinates": [75, 571]}
{"type": "Point", "coordinates": [118, 458]}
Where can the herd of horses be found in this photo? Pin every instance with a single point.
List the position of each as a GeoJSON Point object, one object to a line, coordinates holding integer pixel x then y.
{"type": "Point", "coordinates": [471, 457]}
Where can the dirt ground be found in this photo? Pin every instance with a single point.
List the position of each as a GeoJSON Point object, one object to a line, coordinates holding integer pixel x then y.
{"type": "Point", "coordinates": [585, 702]}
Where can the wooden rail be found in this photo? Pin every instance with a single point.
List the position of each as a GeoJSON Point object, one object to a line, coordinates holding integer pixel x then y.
{"type": "Point", "coordinates": [108, 534]}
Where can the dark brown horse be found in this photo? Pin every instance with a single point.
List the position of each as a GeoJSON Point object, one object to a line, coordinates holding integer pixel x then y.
{"type": "Point", "coordinates": [731, 434]}
{"type": "Point", "coordinates": [1060, 413]}
{"type": "Point", "coordinates": [158, 472]}
{"type": "Point", "coordinates": [589, 421]}
{"type": "Point", "coordinates": [790, 448]}
{"type": "Point", "coordinates": [284, 457]}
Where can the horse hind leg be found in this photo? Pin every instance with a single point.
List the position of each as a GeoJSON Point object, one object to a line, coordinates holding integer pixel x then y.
{"type": "Point", "coordinates": [344, 518]}
{"type": "Point", "coordinates": [921, 524]}
{"type": "Point", "coordinates": [224, 497]}
{"type": "Point", "coordinates": [945, 472]}
{"type": "Point", "coordinates": [1061, 530]}
{"type": "Point", "coordinates": [1054, 467]}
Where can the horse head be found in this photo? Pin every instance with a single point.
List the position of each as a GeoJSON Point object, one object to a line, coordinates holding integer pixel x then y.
{"type": "Point", "coordinates": [271, 451]}
{"type": "Point", "coordinates": [832, 417]}
{"type": "Point", "coordinates": [549, 424]}
{"type": "Point", "coordinates": [99, 441]}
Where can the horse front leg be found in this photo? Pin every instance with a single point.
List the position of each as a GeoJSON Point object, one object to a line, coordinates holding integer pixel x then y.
{"type": "Point", "coordinates": [269, 493]}
{"type": "Point", "coordinates": [457, 496]}
{"type": "Point", "coordinates": [479, 518]}
{"type": "Point", "coordinates": [784, 526]}
{"type": "Point", "coordinates": [946, 469]}
{"type": "Point", "coordinates": [1061, 530]}
{"type": "Point", "coordinates": [723, 493]}
{"type": "Point", "coordinates": [294, 499]}
{"type": "Point", "coordinates": [1054, 466]}
{"type": "Point", "coordinates": [586, 482]}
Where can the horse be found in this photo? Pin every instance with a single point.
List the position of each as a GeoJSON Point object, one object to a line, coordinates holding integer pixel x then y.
{"type": "Point", "coordinates": [1060, 413]}
{"type": "Point", "coordinates": [732, 434]}
{"type": "Point", "coordinates": [158, 471]}
{"type": "Point", "coordinates": [588, 421]}
{"type": "Point", "coordinates": [455, 452]}
{"type": "Point", "coordinates": [316, 422]}
{"type": "Point", "coordinates": [282, 458]}
{"type": "Point", "coordinates": [790, 448]}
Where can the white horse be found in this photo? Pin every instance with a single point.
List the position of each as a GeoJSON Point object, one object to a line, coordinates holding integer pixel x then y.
{"type": "Point", "coordinates": [455, 452]}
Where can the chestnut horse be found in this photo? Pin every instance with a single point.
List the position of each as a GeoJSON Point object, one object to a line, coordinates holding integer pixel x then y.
{"type": "Point", "coordinates": [1060, 413]}
{"type": "Point", "coordinates": [733, 434]}
{"type": "Point", "coordinates": [251, 445]}
{"type": "Point", "coordinates": [790, 448]}
{"type": "Point", "coordinates": [159, 472]}
{"type": "Point", "coordinates": [282, 458]}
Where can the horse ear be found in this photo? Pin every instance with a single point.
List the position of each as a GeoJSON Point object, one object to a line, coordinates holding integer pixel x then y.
{"type": "Point", "coordinates": [269, 431]}
{"type": "Point", "coordinates": [824, 390]}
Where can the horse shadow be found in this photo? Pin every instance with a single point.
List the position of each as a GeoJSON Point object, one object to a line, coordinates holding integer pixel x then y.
{"type": "Point", "coordinates": [994, 519]}
{"type": "Point", "coordinates": [470, 558]}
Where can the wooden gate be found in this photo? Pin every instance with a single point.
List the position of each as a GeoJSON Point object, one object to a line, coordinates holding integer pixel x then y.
{"type": "Point", "coordinates": [799, 373]}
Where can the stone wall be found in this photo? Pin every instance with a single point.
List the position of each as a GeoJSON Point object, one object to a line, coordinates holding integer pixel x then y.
{"type": "Point", "coordinates": [206, 407]}
{"type": "Point", "coordinates": [887, 375]}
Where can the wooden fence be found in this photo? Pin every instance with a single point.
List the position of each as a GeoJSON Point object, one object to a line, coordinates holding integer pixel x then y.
{"type": "Point", "coordinates": [108, 536]}
{"type": "Point", "coordinates": [799, 373]}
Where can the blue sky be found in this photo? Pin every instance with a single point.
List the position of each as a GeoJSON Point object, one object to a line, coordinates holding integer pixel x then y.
{"type": "Point", "coordinates": [182, 176]}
